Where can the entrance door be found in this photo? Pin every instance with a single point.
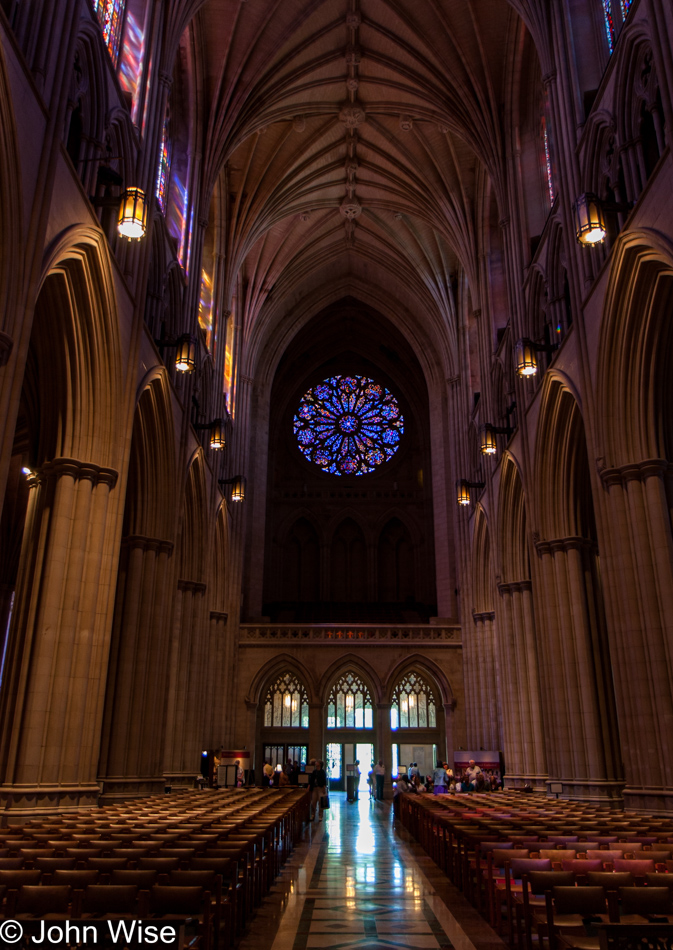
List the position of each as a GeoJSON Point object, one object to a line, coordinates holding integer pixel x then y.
{"type": "Point", "coordinates": [334, 766]}
{"type": "Point", "coordinates": [364, 751]}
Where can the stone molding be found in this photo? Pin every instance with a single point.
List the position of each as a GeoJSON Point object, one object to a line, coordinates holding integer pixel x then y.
{"type": "Point", "coordinates": [6, 344]}
{"type": "Point", "coordinates": [219, 615]}
{"type": "Point", "coordinates": [77, 470]}
{"type": "Point", "coordinates": [515, 587]}
{"type": "Point", "coordinates": [483, 615]}
{"type": "Point", "coordinates": [338, 634]}
{"type": "Point", "coordinates": [635, 471]}
{"type": "Point", "coordinates": [558, 545]}
{"type": "Point", "coordinates": [192, 587]}
{"type": "Point", "coordinates": [148, 544]}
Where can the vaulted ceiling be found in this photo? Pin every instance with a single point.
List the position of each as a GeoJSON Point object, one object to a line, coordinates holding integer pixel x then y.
{"type": "Point", "coordinates": [362, 140]}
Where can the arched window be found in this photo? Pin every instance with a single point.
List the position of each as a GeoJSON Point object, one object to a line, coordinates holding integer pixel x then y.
{"type": "Point", "coordinates": [110, 15]}
{"type": "Point", "coordinates": [414, 705]}
{"type": "Point", "coordinates": [286, 703]}
{"type": "Point", "coordinates": [350, 705]}
{"type": "Point", "coordinates": [547, 160]}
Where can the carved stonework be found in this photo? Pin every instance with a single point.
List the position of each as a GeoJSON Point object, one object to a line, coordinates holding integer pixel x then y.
{"type": "Point", "coordinates": [406, 123]}
{"type": "Point", "coordinates": [337, 634]}
{"type": "Point", "coordinates": [350, 208]}
{"type": "Point", "coordinates": [352, 115]}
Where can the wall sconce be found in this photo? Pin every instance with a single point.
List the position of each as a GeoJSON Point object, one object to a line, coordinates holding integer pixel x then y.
{"type": "Point", "coordinates": [132, 220]}
{"type": "Point", "coordinates": [237, 487]}
{"type": "Point", "coordinates": [463, 491]}
{"type": "Point", "coordinates": [487, 434]}
{"type": "Point", "coordinates": [217, 441]}
{"type": "Point", "coordinates": [525, 359]}
{"type": "Point", "coordinates": [185, 356]}
{"type": "Point", "coordinates": [132, 204]}
{"type": "Point", "coordinates": [589, 218]}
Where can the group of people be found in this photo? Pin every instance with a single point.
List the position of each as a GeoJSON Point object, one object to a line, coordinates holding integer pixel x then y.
{"type": "Point", "coordinates": [280, 777]}
{"type": "Point", "coordinates": [443, 780]}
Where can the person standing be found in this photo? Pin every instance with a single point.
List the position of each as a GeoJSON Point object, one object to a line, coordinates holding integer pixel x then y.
{"type": "Point", "coordinates": [319, 789]}
{"type": "Point", "coordinates": [439, 780]}
{"type": "Point", "coordinates": [471, 774]}
{"type": "Point", "coordinates": [356, 779]}
{"type": "Point", "coordinates": [380, 775]}
{"type": "Point", "coordinates": [267, 776]}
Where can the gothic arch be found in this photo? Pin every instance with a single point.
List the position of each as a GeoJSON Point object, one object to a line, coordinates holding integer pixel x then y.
{"type": "Point", "coordinates": [513, 560]}
{"type": "Point", "coordinates": [194, 532]}
{"type": "Point", "coordinates": [482, 570]}
{"type": "Point", "coordinates": [283, 663]}
{"type": "Point", "coordinates": [560, 456]}
{"type": "Point", "coordinates": [77, 353]}
{"type": "Point", "coordinates": [424, 665]}
{"type": "Point", "coordinates": [350, 662]}
{"type": "Point", "coordinates": [152, 470]}
{"type": "Point", "coordinates": [632, 372]}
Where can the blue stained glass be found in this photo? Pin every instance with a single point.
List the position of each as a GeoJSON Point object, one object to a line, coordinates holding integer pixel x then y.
{"type": "Point", "coordinates": [348, 425]}
{"type": "Point", "coordinates": [609, 24]}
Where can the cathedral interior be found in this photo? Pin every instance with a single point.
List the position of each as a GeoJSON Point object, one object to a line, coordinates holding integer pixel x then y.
{"type": "Point", "coordinates": [334, 399]}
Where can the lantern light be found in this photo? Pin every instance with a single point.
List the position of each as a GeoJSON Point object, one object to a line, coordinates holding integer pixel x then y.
{"type": "Point", "coordinates": [589, 220]}
{"type": "Point", "coordinates": [525, 358]}
{"type": "Point", "coordinates": [185, 357]}
{"type": "Point", "coordinates": [237, 487]}
{"type": "Point", "coordinates": [132, 221]}
{"type": "Point", "coordinates": [487, 442]}
{"type": "Point", "coordinates": [463, 491]}
{"type": "Point", "coordinates": [217, 441]}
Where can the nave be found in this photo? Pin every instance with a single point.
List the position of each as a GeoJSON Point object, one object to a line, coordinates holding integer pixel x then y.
{"type": "Point", "coordinates": [358, 880]}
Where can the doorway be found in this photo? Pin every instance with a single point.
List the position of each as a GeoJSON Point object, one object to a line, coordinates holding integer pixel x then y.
{"type": "Point", "coordinates": [339, 755]}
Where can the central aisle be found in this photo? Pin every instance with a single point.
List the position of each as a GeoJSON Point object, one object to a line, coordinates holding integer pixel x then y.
{"type": "Point", "coordinates": [359, 881]}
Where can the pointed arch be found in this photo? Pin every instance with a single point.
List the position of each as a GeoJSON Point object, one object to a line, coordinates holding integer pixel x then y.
{"type": "Point", "coordinates": [11, 225]}
{"type": "Point", "coordinates": [355, 664]}
{"type": "Point", "coordinates": [633, 371]}
{"type": "Point", "coordinates": [513, 559]}
{"type": "Point", "coordinates": [76, 353]}
{"type": "Point", "coordinates": [482, 571]}
{"type": "Point", "coordinates": [194, 532]}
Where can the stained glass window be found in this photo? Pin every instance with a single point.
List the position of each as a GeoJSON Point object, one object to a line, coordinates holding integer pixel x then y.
{"type": "Point", "coordinates": [110, 15]}
{"type": "Point", "coordinates": [348, 425]}
{"type": "Point", "coordinates": [413, 705]}
{"type": "Point", "coordinates": [286, 703]}
{"type": "Point", "coordinates": [626, 6]}
{"type": "Point", "coordinates": [609, 23]}
{"type": "Point", "coordinates": [164, 168]}
{"type": "Point", "coordinates": [350, 705]}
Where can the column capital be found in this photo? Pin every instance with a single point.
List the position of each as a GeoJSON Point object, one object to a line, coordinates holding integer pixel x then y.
{"type": "Point", "coordinates": [77, 470]}
{"type": "Point", "coordinates": [193, 587]}
{"type": "Point", "coordinates": [635, 471]}
{"type": "Point", "coordinates": [219, 615]}
{"type": "Point", "coordinates": [515, 587]}
{"type": "Point", "coordinates": [483, 615]}
{"type": "Point", "coordinates": [558, 545]}
{"type": "Point", "coordinates": [148, 544]}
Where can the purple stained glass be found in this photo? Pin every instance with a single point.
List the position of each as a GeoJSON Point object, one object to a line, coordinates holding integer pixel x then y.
{"type": "Point", "coordinates": [110, 15]}
{"type": "Point", "coordinates": [348, 425]}
{"type": "Point", "coordinates": [626, 6]}
{"type": "Point", "coordinates": [609, 24]}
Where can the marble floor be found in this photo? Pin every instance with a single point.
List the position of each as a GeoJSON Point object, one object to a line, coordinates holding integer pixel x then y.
{"type": "Point", "coordinates": [358, 881]}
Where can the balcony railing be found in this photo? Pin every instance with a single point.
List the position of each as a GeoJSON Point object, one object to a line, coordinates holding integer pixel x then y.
{"type": "Point", "coordinates": [259, 634]}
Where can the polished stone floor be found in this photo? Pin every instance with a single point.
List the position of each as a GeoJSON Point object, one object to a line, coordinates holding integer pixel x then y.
{"type": "Point", "coordinates": [359, 881]}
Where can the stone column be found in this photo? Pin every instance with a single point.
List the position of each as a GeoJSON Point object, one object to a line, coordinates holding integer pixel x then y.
{"type": "Point", "coordinates": [135, 698]}
{"type": "Point", "coordinates": [316, 730]}
{"type": "Point", "coordinates": [448, 730]}
{"type": "Point", "coordinates": [641, 627]}
{"type": "Point", "coordinates": [385, 744]}
{"type": "Point", "coordinates": [483, 685]}
{"type": "Point", "coordinates": [57, 655]}
{"type": "Point", "coordinates": [254, 740]}
{"type": "Point", "coordinates": [186, 714]}
{"type": "Point", "coordinates": [218, 681]}
{"type": "Point", "coordinates": [577, 701]}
